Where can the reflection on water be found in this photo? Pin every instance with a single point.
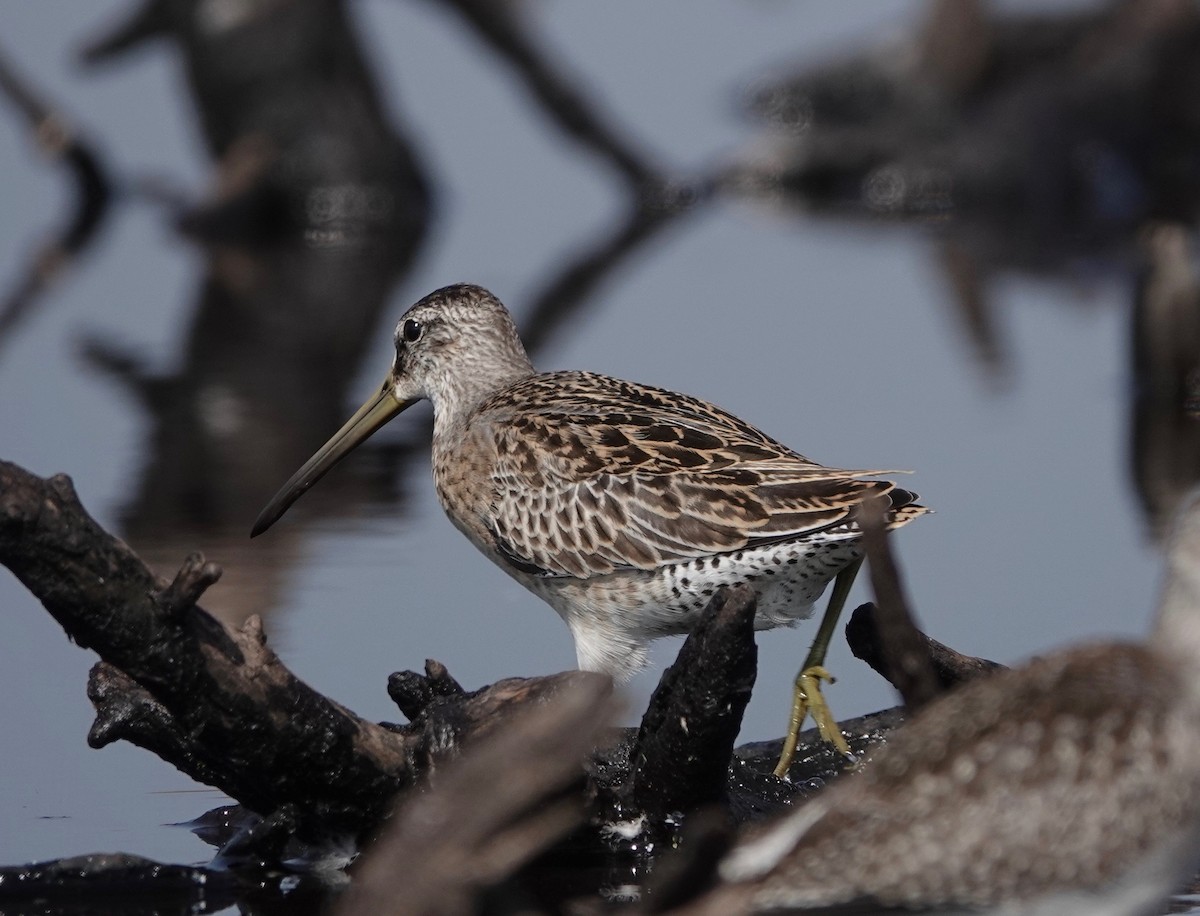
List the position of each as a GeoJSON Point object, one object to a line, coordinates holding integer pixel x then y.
{"type": "Point", "coordinates": [319, 208]}
{"type": "Point", "coordinates": [1037, 142]}
{"type": "Point", "coordinates": [57, 140]}
{"type": "Point", "coordinates": [1026, 147]}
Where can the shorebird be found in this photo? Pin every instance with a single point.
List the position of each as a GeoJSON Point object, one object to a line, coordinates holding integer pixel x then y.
{"type": "Point", "coordinates": [621, 505]}
{"type": "Point", "coordinates": [1068, 786]}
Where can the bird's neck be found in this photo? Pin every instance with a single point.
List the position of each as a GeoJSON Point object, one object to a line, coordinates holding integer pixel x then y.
{"type": "Point", "coordinates": [455, 405]}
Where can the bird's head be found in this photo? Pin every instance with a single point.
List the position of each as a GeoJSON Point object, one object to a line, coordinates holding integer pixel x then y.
{"type": "Point", "coordinates": [455, 347]}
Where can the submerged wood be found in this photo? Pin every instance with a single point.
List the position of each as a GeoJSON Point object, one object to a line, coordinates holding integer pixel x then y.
{"type": "Point", "coordinates": [113, 883]}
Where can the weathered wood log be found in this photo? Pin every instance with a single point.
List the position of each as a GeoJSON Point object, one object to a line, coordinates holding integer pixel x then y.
{"type": "Point", "coordinates": [223, 697]}
{"type": "Point", "coordinates": [414, 693]}
{"type": "Point", "coordinates": [114, 883]}
{"type": "Point", "coordinates": [446, 846]}
{"type": "Point", "coordinates": [681, 756]}
{"type": "Point", "coordinates": [885, 635]}
{"type": "Point", "coordinates": [902, 651]}
{"type": "Point", "coordinates": [214, 701]}
{"type": "Point", "coordinates": [950, 667]}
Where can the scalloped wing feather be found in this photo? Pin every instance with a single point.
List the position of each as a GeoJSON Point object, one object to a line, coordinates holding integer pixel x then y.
{"type": "Point", "coordinates": [594, 474]}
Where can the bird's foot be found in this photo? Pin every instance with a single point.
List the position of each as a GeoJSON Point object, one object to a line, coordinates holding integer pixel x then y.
{"type": "Point", "coordinates": [807, 699]}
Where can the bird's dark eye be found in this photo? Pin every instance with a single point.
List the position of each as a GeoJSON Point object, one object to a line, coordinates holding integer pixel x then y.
{"type": "Point", "coordinates": [412, 330]}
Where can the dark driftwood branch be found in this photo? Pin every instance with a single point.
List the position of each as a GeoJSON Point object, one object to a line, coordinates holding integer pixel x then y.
{"type": "Point", "coordinates": [886, 636]}
{"type": "Point", "coordinates": [650, 213]}
{"type": "Point", "coordinates": [215, 702]}
{"type": "Point", "coordinates": [903, 651]}
{"type": "Point", "coordinates": [680, 758]}
{"type": "Point", "coordinates": [499, 25]}
{"type": "Point", "coordinates": [415, 693]}
{"type": "Point", "coordinates": [150, 20]}
{"type": "Point", "coordinates": [950, 668]}
{"type": "Point", "coordinates": [446, 845]}
{"type": "Point", "coordinates": [126, 711]}
{"type": "Point", "coordinates": [219, 695]}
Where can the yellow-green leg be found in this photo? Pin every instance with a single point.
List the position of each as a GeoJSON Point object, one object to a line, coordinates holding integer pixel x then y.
{"type": "Point", "coordinates": [807, 697]}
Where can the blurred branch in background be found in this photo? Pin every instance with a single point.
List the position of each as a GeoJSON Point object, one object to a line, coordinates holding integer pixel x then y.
{"type": "Point", "coordinates": [320, 206]}
{"type": "Point", "coordinates": [1165, 357]}
{"type": "Point", "coordinates": [1036, 142]}
{"type": "Point", "coordinates": [499, 24]}
{"type": "Point", "coordinates": [564, 293]}
{"type": "Point", "coordinates": [656, 199]}
{"type": "Point", "coordinates": [1166, 316]}
{"type": "Point", "coordinates": [53, 134]}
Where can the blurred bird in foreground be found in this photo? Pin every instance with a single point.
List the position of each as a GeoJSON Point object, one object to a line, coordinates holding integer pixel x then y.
{"type": "Point", "coordinates": [1068, 786]}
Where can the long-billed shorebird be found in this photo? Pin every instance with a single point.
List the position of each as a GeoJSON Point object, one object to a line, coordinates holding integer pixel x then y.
{"type": "Point", "coordinates": [623, 506]}
{"type": "Point", "coordinates": [1067, 787]}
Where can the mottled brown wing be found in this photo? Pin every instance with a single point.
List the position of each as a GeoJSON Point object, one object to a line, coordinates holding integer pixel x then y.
{"type": "Point", "coordinates": [593, 474]}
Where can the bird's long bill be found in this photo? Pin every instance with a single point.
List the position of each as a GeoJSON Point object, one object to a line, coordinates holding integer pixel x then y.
{"type": "Point", "coordinates": [379, 408]}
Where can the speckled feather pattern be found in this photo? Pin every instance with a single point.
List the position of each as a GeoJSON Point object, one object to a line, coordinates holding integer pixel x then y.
{"type": "Point", "coordinates": [624, 506]}
{"type": "Point", "coordinates": [593, 474]}
{"type": "Point", "coordinates": [1054, 778]}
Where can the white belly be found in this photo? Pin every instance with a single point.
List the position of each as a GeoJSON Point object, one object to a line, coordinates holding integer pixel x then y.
{"type": "Point", "coordinates": [613, 617]}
